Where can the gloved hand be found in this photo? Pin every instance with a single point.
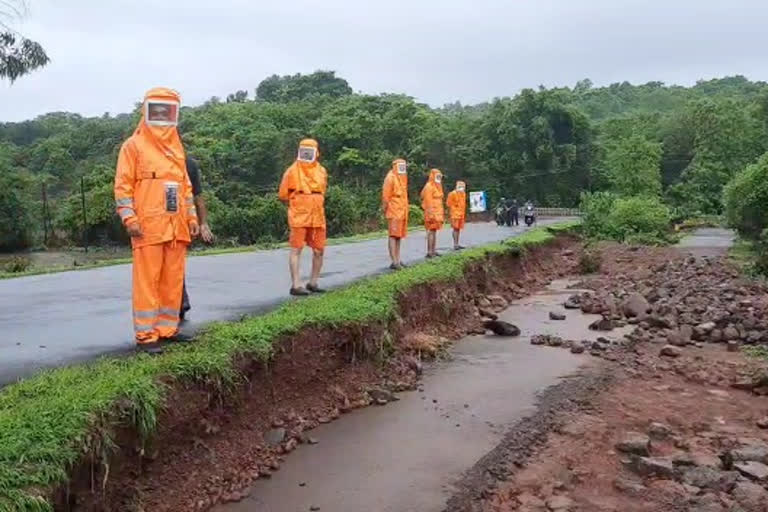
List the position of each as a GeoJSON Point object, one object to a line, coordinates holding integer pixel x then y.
{"type": "Point", "coordinates": [134, 229]}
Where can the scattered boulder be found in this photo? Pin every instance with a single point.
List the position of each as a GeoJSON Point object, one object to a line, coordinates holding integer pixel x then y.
{"type": "Point", "coordinates": [653, 466]}
{"type": "Point", "coordinates": [710, 478]}
{"type": "Point", "coordinates": [635, 444]}
{"type": "Point", "coordinates": [559, 503]}
{"type": "Point", "coordinates": [483, 302]}
{"type": "Point", "coordinates": [497, 301]}
{"type": "Point", "coordinates": [604, 324]}
{"type": "Point", "coordinates": [681, 336]}
{"type": "Point", "coordinates": [659, 431]}
{"type": "Point", "coordinates": [752, 470]}
{"type": "Point", "coordinates": [751, 496]}
{"type": "Point", "coordinates": [635, 306]}
{"type": "Point", "coordinates": [733, 346]}
{"type": "Point", "coordinates": [757, 452]}
{"type": "Point", "coordinates": [730, 333]}
{"type": "Point", "coordinates": [762, 423]}
{"type": "Point", "coordinates": [381, 396]}
{"type": "Point", "coordinates": [501, 328]}
{"type": "Point", "coordinates": [670, 351]}
{"type": "Point", "coordinates": [488, 314]}
{"type": "Point", "coordinates": [556, 316]}
{"type": "Point", "coordinates": [275, 436]}
{"type": "Point", "coordinates": [579, 349]}
{"type": "Point", "coordinates": [573, 302]}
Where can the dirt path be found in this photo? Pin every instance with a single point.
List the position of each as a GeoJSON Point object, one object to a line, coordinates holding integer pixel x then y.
{"type": "Point", "coordinates": [681, 417]}
{"type": "Point", "coordinates": [405, 456]}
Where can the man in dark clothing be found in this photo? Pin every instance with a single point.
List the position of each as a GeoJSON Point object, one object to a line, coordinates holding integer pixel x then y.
{"type": "Point", "coordinates": [193, 171]}
{"type": "Point", "coordinates": [513, 214]}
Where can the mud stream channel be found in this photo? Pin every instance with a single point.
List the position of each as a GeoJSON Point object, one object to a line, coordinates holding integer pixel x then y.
{"type": "Point", "coordinates": [407, 455]}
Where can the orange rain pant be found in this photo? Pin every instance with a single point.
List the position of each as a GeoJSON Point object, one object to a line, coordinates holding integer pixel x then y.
{"type": "Point", "coordinates": [158, 279]}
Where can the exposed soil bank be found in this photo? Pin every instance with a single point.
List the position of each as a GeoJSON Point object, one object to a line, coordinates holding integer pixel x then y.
{"type": "Point", "coordinates": [678, 421]}
{"type": "Point", "coordinates": [211, 443]}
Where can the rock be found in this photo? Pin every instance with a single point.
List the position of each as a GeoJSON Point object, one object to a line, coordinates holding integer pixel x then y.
{"type": "Point", "coordinates": [635, 306]}
{"type": "Point", "coordinates": [559, 503]}
{"type": "Point", "coordinates": [730, 333]}
{"type": "Point", "coordinates": [482, 302]}
{"type": "Point", "coordinates": [488, 314]}
{"type": "Point", "coordinates": [414, 364]}
{"type": "Point", "coordinates": [752, 470]}
{"type": "Point", "coordinates": [497, 301]}
{"type": "Point", "coordinates": [757, 452]}
{"type": "Point", "coordinates": [660, 322]}
{"type": "Point", "coordinates": [573, 302]}
{"type": "Point", "coordinates": [659, 431]}
{"type": "Point", "coordinates": [754, 336]}
{"type": "Point", "coordinates": [670, 351]}
{"type": "Point", "coordinates": [628, 486]}
{"type": "Point", "coordinates": [681, 336]}
{"type": "Point", "coordinates": [635, 444]}
{"type": "Point", "coordinates": [381, 396]}
{"type": "Point", "coordinates": [710, 478]}
{"type": "Point", "coordinates": [705, 328]}
{"type": "Point", "coordinates": [314, 508]}
{"type": "Point", "coordinates": [719, 393]}
{"type": "Point", "coordinates": [312, 440]}
{"type": "Point", "coordinates": [556, 316]}
{"type": "Point", "coordinates": [750, 496]}
{"type": "Point", "coordinates": [579, 349]}
{"type": "Point", "coordinates": [653, 466]}
{"type": "Point", "coordinates": [529, 500]}
{"type": "Point", "coordinates": [555, 341]}
{"type": "Point", "coordinates": [538, 340]}
{"type": "Point", "coordinates": [716, 336]}
{"type": "Point", "coordinates": [501, 328]}
{"type": "Point", "coordinates": [733, 346]}
{"type": "Point", "coordinates": [604, 324]}
{"type": "Point", "coordinates": [275, 436]}
{"type": "Point", "coordinates": [762, 423]}
{"type": "Point", "coordinates": [596, 345]}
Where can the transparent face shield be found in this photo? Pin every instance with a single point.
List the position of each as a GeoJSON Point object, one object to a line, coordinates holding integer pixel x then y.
{"type": "Point", "coordinates": [307, 154]}
{"type": "Point", "coordinates": [402, 168]}
{"type": "Point", "coordinates": [161, 113]}
{"type": "Point", "coordinates": [461, 187]}
{"type": "Point", "coordinates": [438, 178]}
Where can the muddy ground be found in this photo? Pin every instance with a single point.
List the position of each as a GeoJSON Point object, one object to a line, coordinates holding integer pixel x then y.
{"type": "Point", "coordinates": [211, 446]}
{"type": "Point", "coordinates": [676, 419]}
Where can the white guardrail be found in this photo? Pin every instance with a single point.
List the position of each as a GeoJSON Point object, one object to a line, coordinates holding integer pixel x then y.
{"type": "Point", "coordinates": [555, 212]}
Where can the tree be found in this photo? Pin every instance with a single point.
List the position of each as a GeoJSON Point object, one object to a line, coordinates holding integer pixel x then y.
{"type": "Point", "coordinates": [237, 97]}
{"type": "Point", "coordinates": [633, 166]}
{"type": "Point", "coordinates": [299, 87]}
{"type": "Point", "coordinates": [18, 55]}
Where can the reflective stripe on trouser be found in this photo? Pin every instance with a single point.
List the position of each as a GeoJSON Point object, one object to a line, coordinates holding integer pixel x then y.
{"type": "Point", "coordinates": [158, 278]}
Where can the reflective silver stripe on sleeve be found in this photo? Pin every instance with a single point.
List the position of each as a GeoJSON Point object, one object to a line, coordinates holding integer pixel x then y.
{"type": "Point", "coordinates": [145, 314]}
{"type": "Point", "coordinates": [143, 328]}
{"type": "Point", "coordinates": [127, 212]}
{"type": "Point", "coordinates": [126, 201]}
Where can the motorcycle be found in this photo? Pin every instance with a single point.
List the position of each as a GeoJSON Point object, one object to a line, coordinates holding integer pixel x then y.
{"type": "Point", "coordinates": [529, 216]}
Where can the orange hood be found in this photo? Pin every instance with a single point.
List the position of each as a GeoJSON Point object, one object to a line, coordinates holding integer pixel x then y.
{"type": "Point", "coordinates": [164, 138]}
{"type": "Point", "coordinates": [309, 172]}
{"type": "Point", "coordinates": [433, 174]}
{"type": "Point", "coordinates": [400, 179]}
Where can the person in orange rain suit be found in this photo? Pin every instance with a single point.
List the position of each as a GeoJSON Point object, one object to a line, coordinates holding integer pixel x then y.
{"type": "Point", "coordinates": [457, 205]}
{"type": "Point", "coordinates": [153, 196]}
{"type": "Point", "coordinates": [394, 200]}
{"type": "Point", "coordinates": [434, 214]}
{"type": "Point", "coordinates": [303, 189]}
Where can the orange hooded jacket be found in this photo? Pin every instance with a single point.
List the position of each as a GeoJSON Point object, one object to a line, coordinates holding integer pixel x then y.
{"type": "Point", "coordinates": [432, 198]}
{"type": "Point", "coordinates": [303, 187]}
{"type": "Point", "coordinates": [151, 167]}
{"type": "Point", "coordinates": [395, 193]}
{"type": "Point", "coordinates": [457, 202]}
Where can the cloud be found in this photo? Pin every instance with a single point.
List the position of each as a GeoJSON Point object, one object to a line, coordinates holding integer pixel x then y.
{"type": "Point", "coordinates": [106, 54]}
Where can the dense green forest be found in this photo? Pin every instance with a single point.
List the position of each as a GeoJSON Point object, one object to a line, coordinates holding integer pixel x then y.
{"type": "Point", "coordinates": [679, 145]}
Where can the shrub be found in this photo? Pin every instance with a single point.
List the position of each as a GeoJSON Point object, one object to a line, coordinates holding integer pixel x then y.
{"type": "Point", "coordinates": [18, 264]}
{"type": "Point", "coordinates": [625, 219]}
{"type": "Point", "coordinates": [415, 215]}
{"type": "Point", "coordinates": [745, 198]}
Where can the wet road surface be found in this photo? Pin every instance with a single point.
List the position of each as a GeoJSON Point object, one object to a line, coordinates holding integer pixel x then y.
{"type": "Point", "coordinates": [57, 319]}
{"type": "Point", "coordinates": [708, 242]}
{"type": "Point", "coordinates": [405, 456]}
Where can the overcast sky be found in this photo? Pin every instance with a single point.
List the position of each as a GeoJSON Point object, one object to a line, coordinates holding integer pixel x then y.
{"type": "Point", "coordinates": [106, 53]}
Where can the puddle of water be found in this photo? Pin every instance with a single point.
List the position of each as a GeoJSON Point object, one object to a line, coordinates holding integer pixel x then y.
{"type": "Point", "coordinates": [404, 457]}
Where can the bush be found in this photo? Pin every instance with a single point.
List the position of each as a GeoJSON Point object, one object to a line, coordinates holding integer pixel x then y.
{"type": "Point", "coordinates": [745, 198]}
{"type": "Point", "coordinates": [590, 261]}
{"type": "Point", "coordinates": [18, 264]}
{"type": "Point", "coordinates": [630, 219]}
{"type": "Point", "coordinates": [415, 215]}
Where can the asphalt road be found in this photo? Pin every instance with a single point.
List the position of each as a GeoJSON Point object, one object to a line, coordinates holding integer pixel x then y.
{"type": "Point", "coordinates": [58, 319]}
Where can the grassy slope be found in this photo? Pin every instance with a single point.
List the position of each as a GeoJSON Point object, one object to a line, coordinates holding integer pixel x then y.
{"type": "Point", "coordinates": [48, 421]}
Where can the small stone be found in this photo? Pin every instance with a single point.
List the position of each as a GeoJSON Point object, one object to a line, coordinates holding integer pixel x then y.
{"type": "Point", "coordinates": [381, 395]}
{"type": "Point", "coordinates": [302, 484]}
{"type": "Point", "coordinates": [604, 324]}
{"type": "Point", "coordinates": [579, 349]}
{"type": "Point", "coordinates": [659, 431]}
{"type": "Point", "coordinates": [755, 452]}
{"type": "Point", "coordinates": [670, 351]}
{"type": "Point", "coordinates": [559, 503]}
{"type": "Point", "coordinates": [573, 302]}
{"type": "Point", "coordinates": [762, 423]}
{"type": "Point", "coordinates": [653, 466]}
{"type": "Point", "coordinates": [752, 470]}
{"type": "Point", "coordinates": [275, 436]}
{"type": "Point", "coordinates": [750, 496]}
{"type": "Point", "coordinates": [556, 316]}
{"type": "Point", "coordinates": [710, 478]}
{"type": "Point", "coordinates": [629, 486]}
{"type": "Point", "coordinates": [635, 444]}
{"type": "Point", "coordinates": [314, 508]}
{"type": "Point", "coordinates": [733, 346]}
{"type": "Point", "coordinates": [497, 301]}
{"type": "Point", "coordinates": [730, 333]}
{"type": "Point", "coordinates": [719, 393]}
{"type": "Point", "coordinates": [312, 440]}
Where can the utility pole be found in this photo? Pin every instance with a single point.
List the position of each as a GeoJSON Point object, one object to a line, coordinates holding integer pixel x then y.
{"type": "Point", "coordinates": [45, 215]}
{"type": "Point", "coordinates": [85, 218]}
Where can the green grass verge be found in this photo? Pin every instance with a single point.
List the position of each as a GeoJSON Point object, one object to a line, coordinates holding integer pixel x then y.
{"type": "Point", "coordinates": [47, 422]}
{"type": "Point", "coordinates": [757, 351]}
{"type": "Point", "coordinates": [212, 251]}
